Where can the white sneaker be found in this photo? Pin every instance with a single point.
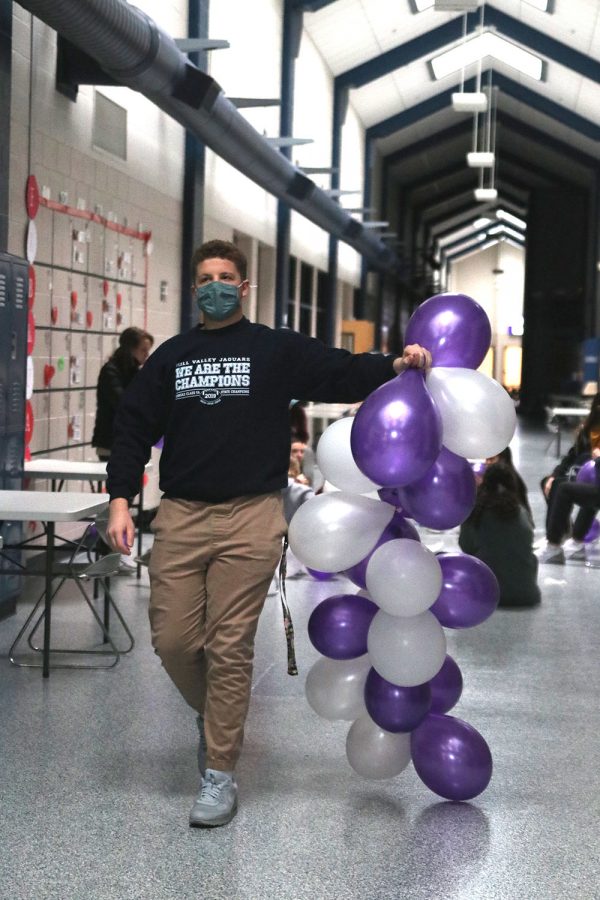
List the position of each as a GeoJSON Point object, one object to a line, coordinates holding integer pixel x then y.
{"type": "Point", "coordinates": [551, 553]}
{"type": "Point", "coordinates": [574, 549]}
{"type": "Point", "coordinates": [216, 803]}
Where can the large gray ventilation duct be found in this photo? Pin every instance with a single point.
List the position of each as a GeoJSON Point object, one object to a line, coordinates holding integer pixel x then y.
{"type": "Point", "coordinates": [131, 48]}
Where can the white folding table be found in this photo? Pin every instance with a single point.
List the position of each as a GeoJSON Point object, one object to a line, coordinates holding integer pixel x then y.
{"type": "Point", "coordinates": [566, 412]}
{"type": "Point", "coordinates": [61, 470]}
{"type": "Point", "coordinates": [49, 507]}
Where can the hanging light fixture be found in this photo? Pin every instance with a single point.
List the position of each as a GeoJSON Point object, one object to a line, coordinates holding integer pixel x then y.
{"type": "Point", "coordinates": [487, 153]}
{"type": "Point", "coordinates": [469, 101]}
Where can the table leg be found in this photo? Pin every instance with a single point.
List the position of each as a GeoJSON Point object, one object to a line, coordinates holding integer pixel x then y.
{"type": "Point", "coordinates": [48, 598]}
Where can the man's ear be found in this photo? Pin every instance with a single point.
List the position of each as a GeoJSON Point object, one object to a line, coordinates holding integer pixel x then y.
{"type": "Point", "coordinates": [244, 289]}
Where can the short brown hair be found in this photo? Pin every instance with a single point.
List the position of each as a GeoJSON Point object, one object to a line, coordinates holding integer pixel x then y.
{"type": "Point", "coordinates": [220, 250]}
{"type": "Point", "coordinates": [132, 337]}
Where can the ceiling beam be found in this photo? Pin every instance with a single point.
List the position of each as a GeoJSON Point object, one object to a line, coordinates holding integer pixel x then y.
{"type": "Point", "coordinates": [519, 92]}
{"type": "Point", "coordinates": [426, 44]}
{"type": "Point", "coordinates": [521, 128]}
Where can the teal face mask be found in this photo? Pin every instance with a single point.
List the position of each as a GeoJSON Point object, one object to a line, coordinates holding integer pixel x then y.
{"type": "Point", "coordinates": [217, 299]}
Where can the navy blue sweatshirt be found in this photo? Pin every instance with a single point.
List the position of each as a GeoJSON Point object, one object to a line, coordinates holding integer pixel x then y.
{"type": "Point", "coordinates": [221, 399]}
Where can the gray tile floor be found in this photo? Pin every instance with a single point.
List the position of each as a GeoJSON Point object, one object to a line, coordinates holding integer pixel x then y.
{"type": "Point", "coordinates": [97, 769]}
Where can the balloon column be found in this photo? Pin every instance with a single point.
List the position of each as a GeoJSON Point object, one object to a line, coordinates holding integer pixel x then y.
{"type": "Point", "coordinates": [384, 665]}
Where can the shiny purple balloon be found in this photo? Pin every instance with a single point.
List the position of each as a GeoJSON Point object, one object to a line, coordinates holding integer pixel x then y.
{"type": "Point", "coordinates": [398, 527]}
{"type": "Point", "coordinates": [446, 687]}
{"type": "Point", "coordinates": [397, 432]}
{"type": "Point", "coordinates": [338, 626]}
{"type": "Point", "coordinates": [444, 496]}
{"type": "Point", "coordinates": [454, 328]}
{"type": "Point", "coordinates": [587, 473]}
{"type": "Point", "coordinates": [451, 757]}
{"type": "Point", "coordinates": [320, 576]}
{"type": "Point", "coordinates": [593, 532]}
{"type": "Point", "coordinates": [393, 707]}
{"type": "Point", "coordinates": [470, 591]}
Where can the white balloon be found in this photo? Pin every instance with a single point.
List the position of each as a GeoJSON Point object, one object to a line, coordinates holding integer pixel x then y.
{"type": "Point", "coordinates": [335, 688]}
{"type": "Point", "coordinates": [335, 460]}
{"type": "Point", "coordinates": [375, 753]}
{"type": "Point", "coordinates": [406, 650]}
{"type": "Point", "coordinates": [403, 577]}
{"type": "Point", "coordinates": [478, 416]}
{"type": "Point", "coordinates": [332, 532]}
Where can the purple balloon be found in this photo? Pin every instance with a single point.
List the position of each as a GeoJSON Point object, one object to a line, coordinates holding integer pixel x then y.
{"type": "Point", "coordinates": [159, 443]}
{"type": "Point", "coordinates": [338, 626]}
{"type": "Point", "coordinates": [393, 707]}
{"type": "Point", "coordinates": [454, 328]}
{"type": "Point", "coordinates": [320, 576]}
{"type": "Point", "coordinates": [391, 495]}
{"type": "Point", "coordinates": [587, 473]}
{"type": "Point", "coordinates": [444, 496]}
{"type": "Point", "coordinates": [593, 533]}
{"type": "Point", "coordinates": [397, 432]}
{"type": "Point", "coordinates": [451, 757]}
{"type": "Point", "coordinates": [398, 527]}
{"type": "Point", "coordinates": [470, 591]}
{"type": "Point", "coordinates": [446, 687]}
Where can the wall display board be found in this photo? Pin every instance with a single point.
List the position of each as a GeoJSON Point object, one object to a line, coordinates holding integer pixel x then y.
{"type": "Point", "coordinates": [89, 271]}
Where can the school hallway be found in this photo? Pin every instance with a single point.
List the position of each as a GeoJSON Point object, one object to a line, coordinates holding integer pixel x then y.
{"type": "Point", "coordinates": [97, 769]}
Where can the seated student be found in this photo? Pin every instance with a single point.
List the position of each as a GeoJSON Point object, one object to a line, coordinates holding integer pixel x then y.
{"type": "Point", "coordinates": [562, 492]}
{"type": "Point", "coordinates": [505, 456]}
{"type": "Point", "coordinates": [500, 534]}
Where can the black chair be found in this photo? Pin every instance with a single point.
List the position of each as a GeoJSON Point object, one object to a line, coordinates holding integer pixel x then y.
{"type": "Point", "coordinates": [96, 571]}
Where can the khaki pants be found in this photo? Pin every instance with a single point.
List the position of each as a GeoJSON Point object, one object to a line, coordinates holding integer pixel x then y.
{"type": "Point", "coordinates": [210, 570]}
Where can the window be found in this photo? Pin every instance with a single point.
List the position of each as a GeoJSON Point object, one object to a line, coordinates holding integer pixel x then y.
{"type": "Point", "coordinates": [109, 131]}
{"type": "Point", "coordinates": [306, 279]}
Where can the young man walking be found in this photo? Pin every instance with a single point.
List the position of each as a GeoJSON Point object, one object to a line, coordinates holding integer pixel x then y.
{"type": "Point", "coordinates": [220, 395]}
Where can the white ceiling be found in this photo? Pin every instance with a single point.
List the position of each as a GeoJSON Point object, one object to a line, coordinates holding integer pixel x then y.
{"type": "Point", "coordinates": [348, 33]}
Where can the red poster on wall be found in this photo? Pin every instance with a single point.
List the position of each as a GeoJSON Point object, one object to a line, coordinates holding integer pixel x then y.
{"type": "Point", "coordinates": [30, 333]}
{"type": "Point", "coordinates": [31, 288]}
{"type": "Point", "coordinates": [28, 421]}
{"type": "Point", "coordinates": [32, 197]}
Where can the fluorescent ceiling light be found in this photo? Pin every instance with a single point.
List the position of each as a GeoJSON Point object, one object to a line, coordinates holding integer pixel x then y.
{"type": "Point", "coordinates": [421, 5]}
{"type": "Point", "coordinates": [481, 160]}
{"type": "Point", "coordinates": [456, 235]}
{"type": "Point", "coordinates": [455, 5]}
{"type": "Point", "coordinates": [481, 223]}
{"type": "Point", "coordinates": [485, 194]}
{"type": "Point", "coordinates": [503, 229]}
{"type": "Point", "coordinates": [471, 242]}
{"type": "Point", "coordinates": [446, 5]}
{"type": "Point", "coordinates": [512, 220]}
{"type": "Point", "coordinates": [487, 44]}
{"type": "Point", "coordinates": [475, 248]}
{"type": "Point", "coordinates": [467, 101]}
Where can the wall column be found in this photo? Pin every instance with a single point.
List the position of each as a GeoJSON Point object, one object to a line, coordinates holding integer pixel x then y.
{"type": "Point", "coordinates": [6, 13]}
{"type": "Point", "coordinates": [194, 175]}
{"type": "Point", "coordinates": [292, 33]}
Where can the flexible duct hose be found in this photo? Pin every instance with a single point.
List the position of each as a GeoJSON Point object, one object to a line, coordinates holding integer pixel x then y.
{"type": "Point", "coordinates": [130, 46]}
